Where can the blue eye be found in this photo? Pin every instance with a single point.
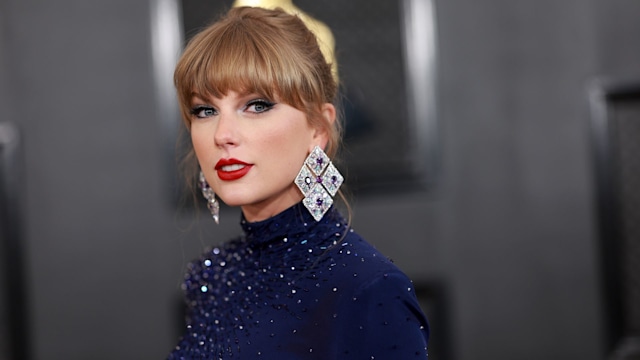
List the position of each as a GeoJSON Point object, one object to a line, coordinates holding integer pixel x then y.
{"type": "Point", "coordinates": [259, 106]}
{"type": "Point", "coordinates": [203, 111]}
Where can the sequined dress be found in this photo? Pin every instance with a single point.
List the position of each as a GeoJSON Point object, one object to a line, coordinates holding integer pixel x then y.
{"type": "Point", "coordinates": [294, 288]}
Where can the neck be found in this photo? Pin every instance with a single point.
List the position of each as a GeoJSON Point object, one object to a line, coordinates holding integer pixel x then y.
{"type": "Point", "coordinates": [270, 207]}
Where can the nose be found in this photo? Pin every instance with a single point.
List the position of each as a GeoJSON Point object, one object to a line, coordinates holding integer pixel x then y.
{"type": "Point", "coordinates": [226, 132]}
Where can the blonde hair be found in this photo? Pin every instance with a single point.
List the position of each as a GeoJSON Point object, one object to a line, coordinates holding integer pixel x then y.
{"type": "Point", "coordinates": [256, 50]}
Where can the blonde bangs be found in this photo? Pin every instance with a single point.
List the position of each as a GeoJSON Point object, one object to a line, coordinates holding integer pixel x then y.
{"type": "Point", "coordinates": [245, 60]}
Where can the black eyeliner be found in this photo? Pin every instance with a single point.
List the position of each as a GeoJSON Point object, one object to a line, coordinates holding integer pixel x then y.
{"type": "Point", "coordinates": [199, 108]}
{"type": "Point", "coordinates": [261, 101]}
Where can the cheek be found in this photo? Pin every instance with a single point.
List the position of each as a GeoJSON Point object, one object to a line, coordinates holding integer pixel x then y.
{"type": "Point", "coordinates": [291, 140]}
{"type": "Point", "coordinates": [200, 142]}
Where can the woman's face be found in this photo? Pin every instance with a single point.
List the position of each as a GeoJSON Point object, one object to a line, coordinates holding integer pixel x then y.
{"type": "Point", "coordinates": [251, 148]}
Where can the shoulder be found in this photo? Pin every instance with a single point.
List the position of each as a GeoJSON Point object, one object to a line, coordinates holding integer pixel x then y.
{"type": "Point", "coordinates": [372, 267]}
{"type": "Point", "coordinates": [212, 258]}
{"type": "Point", "coordinates": [357, 255]}
{"type": "Point", "coordinates": [361, 271]}
{"type": "Point", "coordinates": [378, 302]}
{"type": "Point", "coordinates": [223, 249]}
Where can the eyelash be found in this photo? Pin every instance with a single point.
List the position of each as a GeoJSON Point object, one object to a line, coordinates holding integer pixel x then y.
{"type": "Point", "coordinates": [198, 109]}
{"type": "Point", "coordinates": [268, 105]}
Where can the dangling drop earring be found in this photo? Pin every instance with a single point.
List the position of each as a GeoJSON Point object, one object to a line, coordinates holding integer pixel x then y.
{"type": "Point", "coordinates": [319, 181]}
{"type": "Point", "coordinates": [207, 192]}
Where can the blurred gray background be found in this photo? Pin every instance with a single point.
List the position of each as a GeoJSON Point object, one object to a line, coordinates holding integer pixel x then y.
{"type": "Point", "coordinates": [509, 230]}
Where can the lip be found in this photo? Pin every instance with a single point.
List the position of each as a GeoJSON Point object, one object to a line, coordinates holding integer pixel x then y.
{"type": "Point", "coordinates": [227, 175]}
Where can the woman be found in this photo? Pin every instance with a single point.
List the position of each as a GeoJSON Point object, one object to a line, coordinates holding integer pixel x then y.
{"type": "Point", "coordinates": [257, 97]}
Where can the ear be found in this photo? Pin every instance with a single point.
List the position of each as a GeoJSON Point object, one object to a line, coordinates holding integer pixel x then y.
{"type": "Point", "coordinates": [322, 132]}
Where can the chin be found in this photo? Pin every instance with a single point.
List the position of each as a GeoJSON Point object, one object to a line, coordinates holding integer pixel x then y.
{"type": "Point", "coordinates": [237, 198]}
{"type": "Point", "coordinates": [231, 201]}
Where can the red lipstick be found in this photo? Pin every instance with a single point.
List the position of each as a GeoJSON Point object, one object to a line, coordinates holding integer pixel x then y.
{"type": "Point", "coordinates": [232, 169]}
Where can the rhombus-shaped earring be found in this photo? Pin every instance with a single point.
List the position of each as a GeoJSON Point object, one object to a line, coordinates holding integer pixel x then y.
{"type": "Point", "coordinates": [319, 181]}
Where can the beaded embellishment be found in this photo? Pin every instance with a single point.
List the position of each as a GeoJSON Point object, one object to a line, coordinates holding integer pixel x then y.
{"type": "Point", "coordinates": [319, 181]}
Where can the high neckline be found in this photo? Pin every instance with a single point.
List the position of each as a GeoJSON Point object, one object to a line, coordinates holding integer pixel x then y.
{"type": "Point", "coordinates": [292, 221]}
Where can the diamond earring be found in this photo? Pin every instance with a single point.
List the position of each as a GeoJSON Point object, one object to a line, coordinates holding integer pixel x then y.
{"type": "Point", "coordinates": [318, 180]}
{"type": "Point", "coordinates": [207, 192]}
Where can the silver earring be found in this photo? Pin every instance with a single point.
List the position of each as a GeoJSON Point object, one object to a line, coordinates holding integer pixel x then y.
{"type": "Point", "coordinates": [319, 181]}
{"type": "Point", "coordinates": [208, 194]}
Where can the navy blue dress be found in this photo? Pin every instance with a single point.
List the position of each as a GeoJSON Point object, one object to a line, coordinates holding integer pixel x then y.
{"type": "Point", "coordinates": [294, 288]}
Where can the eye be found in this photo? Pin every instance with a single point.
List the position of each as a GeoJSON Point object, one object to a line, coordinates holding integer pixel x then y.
{"type": "Point", "coordinates": [202, 111]}
{"type": "Point", "coordinates": [259, 106]}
